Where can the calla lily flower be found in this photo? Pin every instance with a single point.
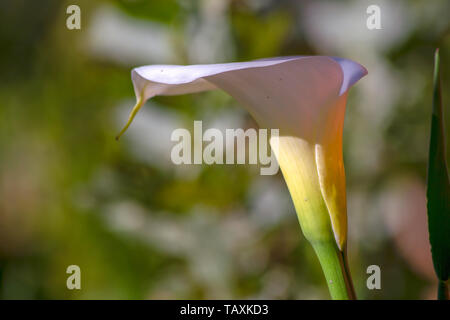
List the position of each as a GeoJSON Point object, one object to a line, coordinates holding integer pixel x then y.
{"type": "Point", "coordinates": [305, 98]}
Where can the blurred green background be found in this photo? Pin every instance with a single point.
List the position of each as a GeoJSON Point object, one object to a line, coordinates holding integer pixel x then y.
{"type": "Point", "coordinates": [140, 227]}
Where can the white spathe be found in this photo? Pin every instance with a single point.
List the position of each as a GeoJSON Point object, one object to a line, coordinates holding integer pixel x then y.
{"type": "Point", "coordinates": [304, 97]}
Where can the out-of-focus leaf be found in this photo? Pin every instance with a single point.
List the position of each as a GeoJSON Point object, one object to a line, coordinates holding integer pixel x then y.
{"type": "Point", "coordinates": [261, 36]}
{"type": "Point", "coordinates": [438, 192]}
{"type": "Point", "coordinates": [162, 11]}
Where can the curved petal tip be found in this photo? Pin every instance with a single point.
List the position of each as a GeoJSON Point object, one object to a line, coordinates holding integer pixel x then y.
{"type": "Point", "coordinates": [352, 72]}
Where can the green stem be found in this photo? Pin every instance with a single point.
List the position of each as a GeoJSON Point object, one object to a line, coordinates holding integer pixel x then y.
{"type": "Point", "coordinates": [443, 290]}
{"type": "Point", "coordinates": [335, 268]}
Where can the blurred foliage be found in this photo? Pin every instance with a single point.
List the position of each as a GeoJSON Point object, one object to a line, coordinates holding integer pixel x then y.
{"type": "Point", "coordinates": [163, 11]}
{"type": "Point", "coordinates": [71, 194]}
